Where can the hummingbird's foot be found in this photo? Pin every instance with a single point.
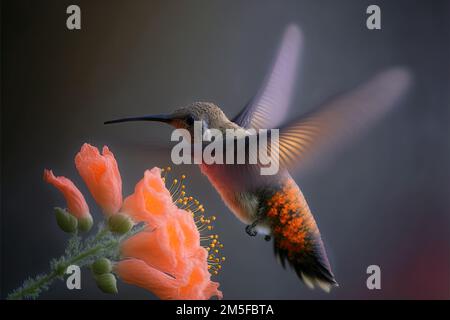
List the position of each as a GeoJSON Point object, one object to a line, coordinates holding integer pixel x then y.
{"type": "Point", "coordinates": [267, 237]}
{"type": "Point", "coordinates": [251, 230]}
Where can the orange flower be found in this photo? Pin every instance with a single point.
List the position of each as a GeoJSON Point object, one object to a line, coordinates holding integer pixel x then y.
{"type": "Point", "coordinates": [166, 258]}
{"type": "Point", "coordinates": [76, 204]}
{"type": "Point", "coordinates": [101, 175]}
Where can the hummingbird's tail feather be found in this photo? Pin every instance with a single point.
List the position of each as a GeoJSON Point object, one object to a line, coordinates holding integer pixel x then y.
{"type": "Point", "coordinates": [297, 238]}
{"type": "Point", "coordinates": [312, 266]}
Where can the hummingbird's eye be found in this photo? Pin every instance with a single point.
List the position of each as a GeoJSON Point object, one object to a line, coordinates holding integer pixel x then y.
{"type": "Point", "coordinates": [190, 120]}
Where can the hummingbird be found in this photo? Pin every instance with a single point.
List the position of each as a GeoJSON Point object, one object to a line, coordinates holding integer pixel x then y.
{"type": "Point", "coordinates": [274, 205]}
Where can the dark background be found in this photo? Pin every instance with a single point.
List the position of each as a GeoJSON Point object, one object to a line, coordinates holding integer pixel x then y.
{"type": "Point", "coordinates": [384, 200]}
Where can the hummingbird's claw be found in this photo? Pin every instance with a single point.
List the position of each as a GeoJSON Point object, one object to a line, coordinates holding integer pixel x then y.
{"type": "Point", "coordinates": [251, 231]}
{"type": "Point", "coordinates": [267, 237]}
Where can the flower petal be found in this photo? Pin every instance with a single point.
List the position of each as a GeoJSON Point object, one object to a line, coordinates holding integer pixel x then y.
{"type": "Point", "coordinates": [151, 202]}
{"type": "Point", "coordinates": [138, 273]}
{"type": "Point", "coordinates": [76, 204]}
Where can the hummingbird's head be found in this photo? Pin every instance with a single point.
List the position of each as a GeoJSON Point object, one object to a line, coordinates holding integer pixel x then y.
{"type": "Point", "coordinates": [208, 114]}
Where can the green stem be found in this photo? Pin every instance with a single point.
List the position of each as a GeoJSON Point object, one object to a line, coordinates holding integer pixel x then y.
{"type": "Point", "coordinates": [31, 289]}
{"type": "Point", "coordinates": [35, 287]}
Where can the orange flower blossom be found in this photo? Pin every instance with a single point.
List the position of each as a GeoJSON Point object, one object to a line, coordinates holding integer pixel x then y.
{"type": "Point", "coordinates": [167, 258]}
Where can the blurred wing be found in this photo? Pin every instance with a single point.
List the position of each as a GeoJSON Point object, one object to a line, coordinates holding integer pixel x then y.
{"type": "Point", "coordinates": [342, 118]}
{"type": "Point", "coordinates": [270, 105]}
{"type": "Point", "coordinates": [317, 133]}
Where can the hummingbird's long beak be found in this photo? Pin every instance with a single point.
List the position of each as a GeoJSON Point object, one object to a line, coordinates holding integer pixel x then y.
{"type": "Point", "coordinates": [157, 117]}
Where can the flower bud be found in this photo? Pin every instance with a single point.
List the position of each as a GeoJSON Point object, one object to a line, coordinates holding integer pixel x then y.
{"type": "Point", "coordinates": [101, 266]}
{"type": "Point", "coordinates": [85, 223]}
{"type": "Point", "coordinates": [101, 174]}
{"type": "Point", "coordinates": [67, 222]}
{"type": "Point", "coordinates": [107, 283]}
{"type": "Point", "coordinates": [120, 223]}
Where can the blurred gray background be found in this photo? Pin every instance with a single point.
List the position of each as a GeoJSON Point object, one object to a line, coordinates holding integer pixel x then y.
{"type": "Point", "coordinates": [383, 200]}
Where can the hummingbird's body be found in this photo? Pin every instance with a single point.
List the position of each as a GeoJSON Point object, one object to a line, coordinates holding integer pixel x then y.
{"type": "Point", "coordinates": [274, 205]}
{"type": "Point", "coordinates": [243, 203]}
{"type": "Point", "coordinates": [280, 210]}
